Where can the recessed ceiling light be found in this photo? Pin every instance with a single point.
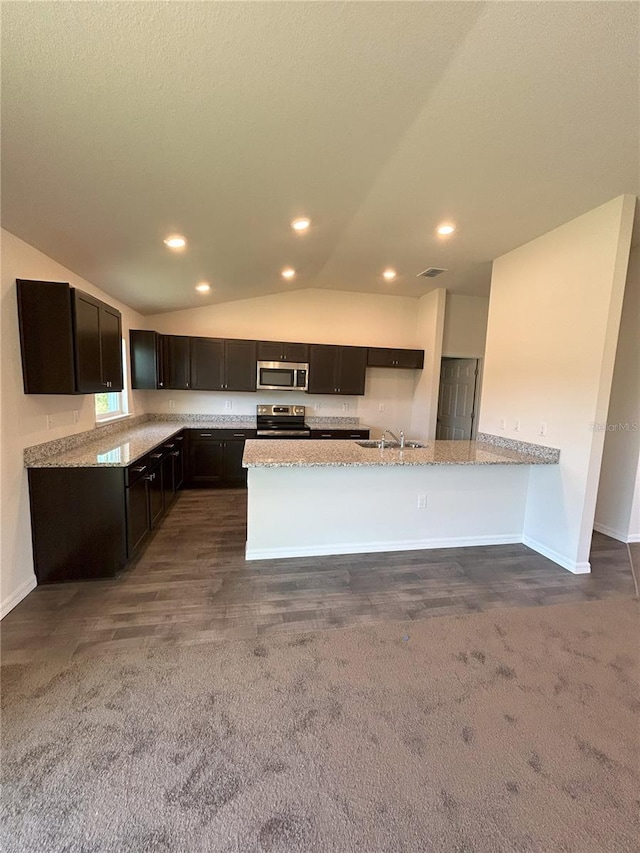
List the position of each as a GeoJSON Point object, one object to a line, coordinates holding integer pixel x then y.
{"type": "Point", "coordinates": [175, 241]}
{"type": "Point", "coordinates": [288, 272]}
{"type": "Point", "coordinates": [389, 274]}
{"type": "Point", "coordinates": [301, 224]}
{"type": "Point", "coordinates": [203, 287]}
{"type": "Point", "coordinates": [445, 229]}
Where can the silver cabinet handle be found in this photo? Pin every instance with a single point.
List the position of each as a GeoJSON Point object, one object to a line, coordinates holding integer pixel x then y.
{"type": "Point", "coordinates": [179, 438]}
{"type": "Point", "coordinates": [205, 435]}
{"type": "Point", "coordinates": [176, 453]}
{"type": "Point", "coordinates": [326, 435]}
{"type": "Point", "coordinates": [169, 446]}
{"type": "Point", "coordinates": [238, 435]}
{"type": "Point", "coordinates": [140, 469]}
{"type": "Point", "coordinates": [156, 455]}
{"type": "Point", "coordinates": [160, 384]}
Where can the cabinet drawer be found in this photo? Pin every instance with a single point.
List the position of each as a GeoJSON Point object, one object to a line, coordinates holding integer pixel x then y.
{"type": "Point", "coordinates": [339, 434]}
{"type": "Point", "coordinates": [218, 434]}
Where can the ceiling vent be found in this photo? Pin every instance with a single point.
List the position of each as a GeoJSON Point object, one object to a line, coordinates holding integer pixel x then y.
{"type": "Point", "coordinates": [432, 272]}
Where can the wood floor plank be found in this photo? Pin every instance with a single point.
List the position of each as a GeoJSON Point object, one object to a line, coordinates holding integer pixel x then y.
{"type": "Point", "coordinates": [192, 585]}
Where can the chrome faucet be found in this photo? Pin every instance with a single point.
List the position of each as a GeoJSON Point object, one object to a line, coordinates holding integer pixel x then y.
{"type": "Point", "coordinates": [394, 437]}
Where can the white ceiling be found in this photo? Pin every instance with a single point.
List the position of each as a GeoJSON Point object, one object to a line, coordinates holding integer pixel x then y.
{"type": "Point", "coordinates": [123, 122]}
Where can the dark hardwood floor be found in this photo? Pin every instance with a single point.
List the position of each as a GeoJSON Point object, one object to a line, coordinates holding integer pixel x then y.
{"type": "Point", "coordinates": [193, 585]}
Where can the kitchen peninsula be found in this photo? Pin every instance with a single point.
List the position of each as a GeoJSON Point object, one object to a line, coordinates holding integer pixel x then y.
{"type": "Point", "coordinates": [342, 498]}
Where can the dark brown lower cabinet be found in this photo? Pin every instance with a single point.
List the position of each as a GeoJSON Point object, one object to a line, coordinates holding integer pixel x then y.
{"type": "Point", "coordinates": [340, 434]}
{"type": "Point", "coordinates": [137, 509]}
{"type": "Point", "coordinates": [215, 458]}
{"type": "Point", "coordinates": [78, 523]}
{"type": "Point", "coordinates": [89, 522]}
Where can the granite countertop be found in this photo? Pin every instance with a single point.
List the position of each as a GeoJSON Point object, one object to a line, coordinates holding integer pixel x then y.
{"type": "Point", "coordinates": [341, 454]}
{"type": "Point", "coordinates": [120, 444]}
{"type": "Point", "coordinates": [120, 449]}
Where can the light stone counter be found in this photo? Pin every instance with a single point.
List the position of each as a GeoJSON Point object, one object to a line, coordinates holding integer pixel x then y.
{"type": "Point", "coordinates": [341, 454]}
{"type": "Point", "coordinates": [311, 498]}
{"type": "Point", "coordinates": [119, 449]}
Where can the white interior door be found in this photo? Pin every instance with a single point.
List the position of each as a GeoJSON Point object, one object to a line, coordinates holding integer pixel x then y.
{"type": "Point", "coordinates": [456, 401]}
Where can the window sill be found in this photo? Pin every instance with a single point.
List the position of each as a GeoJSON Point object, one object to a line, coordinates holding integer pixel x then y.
{"type": "Point", "coordinates": [101, 421]}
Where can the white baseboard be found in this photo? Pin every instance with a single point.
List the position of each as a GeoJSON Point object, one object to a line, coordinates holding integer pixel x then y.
{"type": "Point", "coordinates": [610, 531]}
{"type": "Point", "coordinates": [23, 590]}
{"type": "Point", "coordinates": [376, 547]}
{"type": "Point", "coordinates": [633, 537]}
{"type": "Point", "coordinates": [554, 556]}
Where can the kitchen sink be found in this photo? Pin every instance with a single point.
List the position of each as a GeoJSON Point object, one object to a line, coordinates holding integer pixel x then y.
{"type": "Point", "coordinates": [394, 445]}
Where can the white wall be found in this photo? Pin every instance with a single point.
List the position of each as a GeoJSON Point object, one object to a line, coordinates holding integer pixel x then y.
{"type": "Point", "coordinates": [24, 416]}
{"type": "Point", "coordinates": [430, 325]}
{"type": "Point", "coordinates": [620, 472]}
{"type": "Point", "coordinates": [465, 326]}
{"type": "Point", "coordinates": [554, 313]}
{"type": "Point", "coordinates": [317, 316]}
{"type": "Point", "coordinates": [358, 510]}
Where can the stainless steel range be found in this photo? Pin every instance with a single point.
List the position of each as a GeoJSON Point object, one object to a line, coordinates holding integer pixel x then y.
{"type": "Point", "coordinates": [281, 422]}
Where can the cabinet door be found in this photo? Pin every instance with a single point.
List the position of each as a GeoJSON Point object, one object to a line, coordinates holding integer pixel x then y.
{"type": "Point", "coordinates": [138, 521]}
{"type": "Point", "coordinates": [87, 344]}
{"type": "Point", "coordinates": [240, 365]}
{"type": "Point", "coordinates": [168, 492]}
{"type": "Point", "coordinates": [296, 353]}
{"type": "Point", "coordinates": [145, 358]}
{"type": "Point", "coordinates": [176, 361]}
{"type": "Point", "coordinates": [270, 351]}
{"type": "Point", "coordinates": [111, 348]}
{"type": "Point", "coordinates": [180, 473]}
{"type": "Point", "coordinates": [206, 462]}
{"type": "Point", "coordinates": [207, 364]}
{"type": "Point", "coordinates": [234, 473]}
{"type": "Point", "coordinates": [156, 495]}
{"type": "Point", "coordinates": [352, 370]}
{"type": "Point", "coordinates": [178, 468]}
{"type": "Point", "coordinates": [380, 357]}
{"type": "Point", "coordinates": [323, 361]}
{"type": "Point", "coordinates": [46, 337]}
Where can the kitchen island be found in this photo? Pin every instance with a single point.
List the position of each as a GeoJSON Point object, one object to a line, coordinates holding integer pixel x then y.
{"type": "Point", "coordinates": [310, 498]}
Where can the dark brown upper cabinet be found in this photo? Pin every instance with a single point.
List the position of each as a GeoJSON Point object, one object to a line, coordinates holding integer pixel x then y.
{"type": "Point", "coordinates": [145, 354]}
{"type": "Point", "coordinates": [71, 342]}
{"type": "Point", "coordinates": [240, 365]}
{"type": "Point", "coordinates": [282, 351]}
{"type": "Point", "coordinates": [176, 361]}
{"type": "Point", "coordinates": [337, 369]}
{"type": "Point", "coordinates": [404, 358]}
{"type": "Point", "coordinates": [208, 364]}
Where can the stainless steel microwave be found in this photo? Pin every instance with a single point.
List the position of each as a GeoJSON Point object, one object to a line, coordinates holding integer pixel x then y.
{"type": "Point", "coordinates": [282, 376]}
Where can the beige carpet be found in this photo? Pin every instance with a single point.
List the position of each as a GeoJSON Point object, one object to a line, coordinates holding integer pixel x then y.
{"type": "Point", "coordinates": [515, 730]}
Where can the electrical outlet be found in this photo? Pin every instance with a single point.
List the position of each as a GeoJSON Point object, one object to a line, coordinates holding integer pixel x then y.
{"type": "Point", "coordinates": [228, 404]}
{"type": "Point", "coordinates": [543, 428]}
{"type": "Point", "coordinates": [503, 423]}
{"type": "Point", "coordinates": [345, 407]}
{"type": "Point", "coordinates": [76, 416]}
{"type": "Point", "coordinates": [49, 421]}
{"type": "Point", "coordinates": [172, 404]}
{"type": "Point", "coordinates": [381, 407]}
{"type": "Point", "coordinates": [516, 425]}
{"type": "Point", "coordinates": [422, 501]}
{"type": "Point", "coordinates": [318, 406]}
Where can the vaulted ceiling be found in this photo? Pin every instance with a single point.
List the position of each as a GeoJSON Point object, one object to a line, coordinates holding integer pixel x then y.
{"type": "Point", "coordinates": [222, 121]}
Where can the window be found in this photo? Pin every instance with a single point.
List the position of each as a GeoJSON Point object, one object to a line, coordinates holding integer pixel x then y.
{"type": "Point", "coordinates": [113, 404]}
